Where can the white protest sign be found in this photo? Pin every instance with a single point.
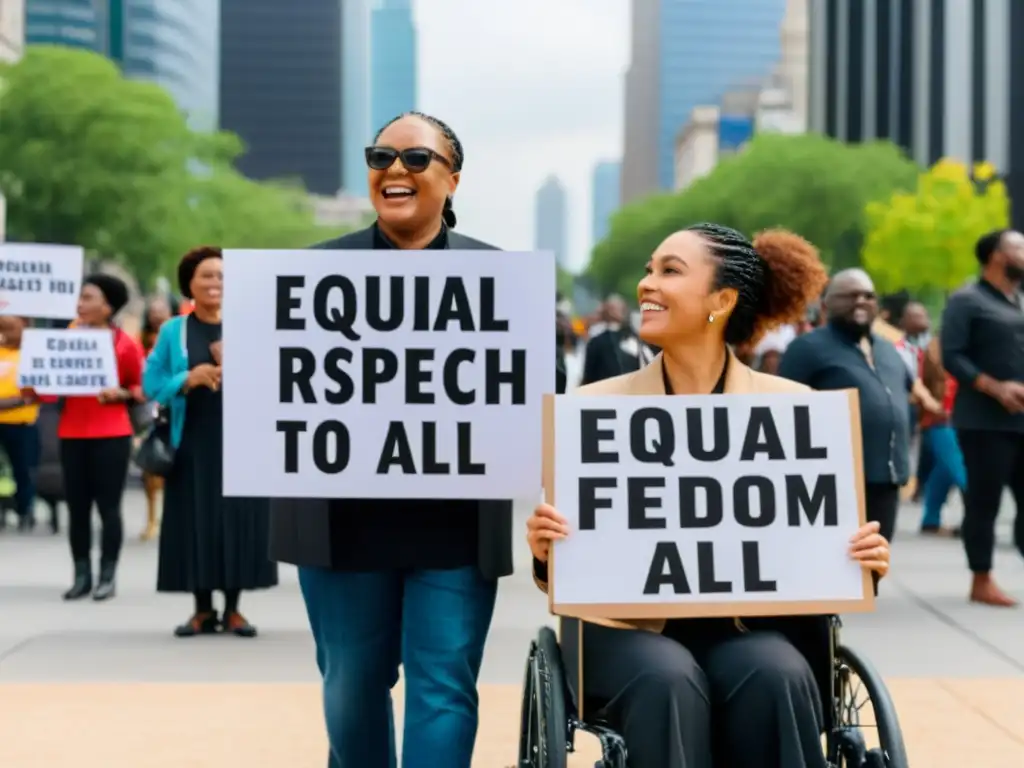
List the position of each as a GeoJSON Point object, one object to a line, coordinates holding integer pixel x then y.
{"type": "Point", "coordinates": [386, 374]}
{"type": "Point", "coordinates": [719, 505]}
{"type": "Point", "coordinates": [40, 280]}
{"type": "Point", "coordinates": [67, 362]}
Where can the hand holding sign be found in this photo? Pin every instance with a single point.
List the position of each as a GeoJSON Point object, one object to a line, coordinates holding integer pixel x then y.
{"type": "Point", "coordinates": [871, 549]}
{"type": "Point", "coordinates": [544, 526]}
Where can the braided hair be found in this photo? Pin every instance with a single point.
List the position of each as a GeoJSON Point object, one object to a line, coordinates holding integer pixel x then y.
{"type": "Point", "coordinates": [454, 148]}
{"type": "Point", "coordinates": [776, 277]}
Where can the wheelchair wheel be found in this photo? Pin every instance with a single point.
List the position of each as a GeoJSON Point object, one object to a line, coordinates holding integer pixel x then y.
{"type": "Point", "coordinates": [544, 725]}
{"type": "Point", "coordinates": [858, 685]}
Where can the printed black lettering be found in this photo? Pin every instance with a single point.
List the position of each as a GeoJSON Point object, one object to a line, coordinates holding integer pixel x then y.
{"type": "Point", "coordinates": [804, 447]}
{"type": "Point", "coordinates": [63, 287]}
{"type": "Point", "coordinates": [39, 363]}
{"type": "Point", "coordinates": [327, 436]}
{"type": "Point", "coordinates": [823, 500]}
{"type": "Point", "coordinates": [330, 317]}
{"type": "Point", "coordinates": [287, 303]}
{"type": "Point", "coordinates": [431, 466]}
{"type": "Point", "coordinates": [454, 305]}
{"type": "Point", "coordinates": [379, 367]}
{"type": "Point", "coordinates": [662, 444]}
{"type": "Point", "coordinates": [638, 503]}
{"type": "Point", "coordinates": [494, 377]}
{"type": "Point", "coordinates": [666, 570]}
{"type": "Point", "coordinates": [375, 301]}
{"type": "Point", "coordinates": [752, 581]}
{"type": "Point", "coordinates": [588, 500]}
{"type": "Point", "coordinates": [296, 366]}
{"type": "Point", "coordinates": [707, 580]}
{"type": "Point", "coordinates": [416, 375]}
{"type": "Point", "coordinates": [337, 374]}
{"type": "Point", "coordinates": [421, 303]}
{"type": "Point", "coordinates": [466, 465]}
{"type": "Point", "coordinates": [759, 514]}
{"type": "Point", "coordinates": [695, 434]}
{"type": "Point", "coordinates": [488, 321]}
{"type": "Point", "coordinates": [291, 431]}
{"type": "Point", "coordinates": [762, 436]}
{"type": "Point", "coordinates": [396, 451]}
{"type": "Point", "coordinates": [450, 377]}
{"type": "Point", "coordinates": [714, 503]}
{"type": "Point", "coordinates": [591, 436]}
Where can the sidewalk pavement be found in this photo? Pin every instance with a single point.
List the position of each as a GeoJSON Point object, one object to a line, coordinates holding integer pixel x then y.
{"type": "Point", "coordinates": [106, 686]}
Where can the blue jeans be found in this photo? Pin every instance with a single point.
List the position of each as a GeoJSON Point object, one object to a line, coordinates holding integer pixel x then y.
{"type": "Point", "coordinates": [433, 623]}
{"type": "Point", "coordinates": [948, 471]}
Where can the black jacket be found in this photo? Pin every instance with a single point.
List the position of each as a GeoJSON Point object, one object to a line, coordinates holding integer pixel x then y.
{"type": "Point", "coordinates": [303, 531]}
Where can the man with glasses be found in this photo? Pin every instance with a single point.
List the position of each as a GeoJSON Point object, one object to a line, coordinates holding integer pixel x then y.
{"type": "Point", "coordinates": [847, 354]}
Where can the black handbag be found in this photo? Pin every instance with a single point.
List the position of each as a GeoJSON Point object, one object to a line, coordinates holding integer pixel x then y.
{"type": "Point", "coordinates": [142, 416]}
{"type": "Point", "coordinates": [156, 453]}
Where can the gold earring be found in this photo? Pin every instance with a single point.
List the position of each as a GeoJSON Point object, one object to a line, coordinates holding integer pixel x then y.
{"type": "Point", "coordinates": [711, 318]}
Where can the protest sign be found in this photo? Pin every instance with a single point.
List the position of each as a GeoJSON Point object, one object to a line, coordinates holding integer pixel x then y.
{"type": "Point", "coordinates": [67, 362]}
{"type": "Point", "coordinates": [386, 374]}
{"type": "Point", "coordinates": [720, 505]}
{"type": "Point", "coordinates": [40, 280]}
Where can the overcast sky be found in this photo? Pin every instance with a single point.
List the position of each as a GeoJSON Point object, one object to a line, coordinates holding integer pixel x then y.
{"type": "Point", "coordinates": [532, 88]}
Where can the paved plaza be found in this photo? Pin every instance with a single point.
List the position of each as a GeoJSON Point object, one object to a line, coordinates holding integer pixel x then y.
{"type": "Point", "coordinates": [107, 686]}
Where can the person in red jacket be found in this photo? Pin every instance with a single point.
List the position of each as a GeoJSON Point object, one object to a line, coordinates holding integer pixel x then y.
{"type": "Point", "coordinates": [96, 442]}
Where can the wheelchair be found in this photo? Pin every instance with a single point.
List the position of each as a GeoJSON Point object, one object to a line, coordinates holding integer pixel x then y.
{"type": "Point", "coordinates": [549, 723]}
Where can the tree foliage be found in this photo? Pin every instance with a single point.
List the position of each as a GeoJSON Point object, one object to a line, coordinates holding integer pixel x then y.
{"type": "Point", "coordinates": [88, 157]}
{"type": "Point", "coordinates": [810, 184]}
{"type": "Point", "coordinates": [923, 240]}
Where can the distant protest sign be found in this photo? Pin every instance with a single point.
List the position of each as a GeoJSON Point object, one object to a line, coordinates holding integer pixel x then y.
{"type": "Point", "coordinates": [721, 505]}
{"type": "Point", "coordinates": [67, 362]}
{"type": "Point", "coordinates": [40, 280]}
{"type": "Point", "coordinates": [386, 374]}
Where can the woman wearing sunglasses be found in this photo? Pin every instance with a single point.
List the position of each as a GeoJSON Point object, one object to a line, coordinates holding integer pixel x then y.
{"type": "Point", "coordinates": [389, 582]}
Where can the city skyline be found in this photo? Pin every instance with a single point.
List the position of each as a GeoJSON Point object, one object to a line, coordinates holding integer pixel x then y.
{"type": "Point", "coordinates": [551, 220]}
{"type": "Point", "coordinates": [604, 194]}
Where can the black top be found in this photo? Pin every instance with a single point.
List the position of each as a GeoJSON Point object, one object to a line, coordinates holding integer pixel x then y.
{"type": "Point", "coordinates": [378, 534]}
{"type": "Point", "coordinates": [605, 358]}
{"type": "Point", "coordinates": [830, 358]}
{"type": "Point", "coordinates": [205, 406]}
{"type": "Point", "coordinates": [983, 332]}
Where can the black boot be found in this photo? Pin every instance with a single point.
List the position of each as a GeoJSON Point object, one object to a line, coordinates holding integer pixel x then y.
{"type": "Point", "coordinates": [106, 589]}
{"type": "Point", "coordinates": [83, 581]}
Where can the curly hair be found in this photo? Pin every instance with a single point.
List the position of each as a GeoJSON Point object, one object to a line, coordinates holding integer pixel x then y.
{"type": "Point", "coordinates": [190, 263]}
{"type": "Point", "coordinates": [454, 148]}
{"type": "Point", "coordinates": [776, 277]}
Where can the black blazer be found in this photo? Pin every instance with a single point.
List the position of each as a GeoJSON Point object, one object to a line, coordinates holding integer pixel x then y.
{"type": "Point", "coordinates": [302, 531]}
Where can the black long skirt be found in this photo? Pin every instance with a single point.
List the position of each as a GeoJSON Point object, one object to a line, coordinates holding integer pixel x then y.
{"type": "Point", "coordinates": [207, 541]}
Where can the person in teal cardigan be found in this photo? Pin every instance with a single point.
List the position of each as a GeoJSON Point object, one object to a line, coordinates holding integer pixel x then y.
{"type": "Point", "coordinates": [208, 542]}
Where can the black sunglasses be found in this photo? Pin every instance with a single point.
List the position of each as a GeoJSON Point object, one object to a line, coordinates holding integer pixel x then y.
{"type": "Point", "coordinates": [415, 159]}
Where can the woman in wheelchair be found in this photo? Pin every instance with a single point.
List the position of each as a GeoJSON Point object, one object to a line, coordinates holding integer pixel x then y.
{"type": "Point", "coordinates": [693, 693]}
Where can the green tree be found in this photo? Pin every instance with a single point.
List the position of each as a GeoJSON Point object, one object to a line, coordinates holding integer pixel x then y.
{"type": "Point", "coordinates": [923, 240]}
{"type": "Point", "coordinates": [91, 158]}
{"type": "Point", "coordinates": [810, 184]}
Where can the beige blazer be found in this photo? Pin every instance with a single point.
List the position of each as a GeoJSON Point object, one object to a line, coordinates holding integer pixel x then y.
{"type": "Point", "coordinates": [649, 380]}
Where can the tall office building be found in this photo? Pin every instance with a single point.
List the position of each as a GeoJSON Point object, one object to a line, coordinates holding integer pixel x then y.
{"type": "Point", "coordinates": [12, 42]}
{"type": "Point", "coordinates": [174, 43]}
{"type": "Point", "coordinates": [355, 111]}
{"type": "Point", "coordinates": [941, 78]}
{"type": "Point", "coordinates": [281, 88]}
{"type": "Point", "coordinates": [551, 220]}
{"type": "Point", "coordinates": [604, 197]}
{"type": "Point", "coordinates": [686, 53]}
{"type": "Point", "coordinates": [393, 52]}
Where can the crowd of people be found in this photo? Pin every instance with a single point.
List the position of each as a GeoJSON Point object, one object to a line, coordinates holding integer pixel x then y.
{"type": "Point", "coordinates": [390, 583]}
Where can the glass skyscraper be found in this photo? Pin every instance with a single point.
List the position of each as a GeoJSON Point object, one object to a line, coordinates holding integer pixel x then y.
{"type": "Point", "coordinates": [604, 197]}
{"type": "Point", "coordinates": [174, 43]}
{"type": "Point", "coordinates": [706, 48]}
{"type": "Point", "coordinates": [356, 130]}
{"type": "Point", "coordinates": [393, 50]}
{"type": "Point", "coordinates": [551, 220]}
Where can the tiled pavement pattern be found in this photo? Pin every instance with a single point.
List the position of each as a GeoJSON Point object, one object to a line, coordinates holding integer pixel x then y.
{"type": "Point", "coordinates": [106, 686]}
